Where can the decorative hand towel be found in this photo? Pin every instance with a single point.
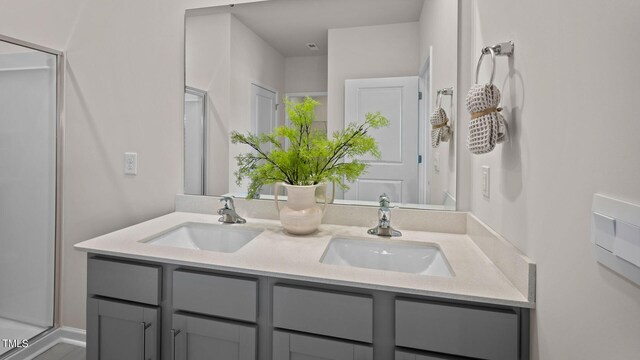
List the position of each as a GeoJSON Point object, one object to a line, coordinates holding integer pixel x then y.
{"type": "Point", "coordinates": [440, 129]}
{"type": "Point", "coordinates": [487, 126]}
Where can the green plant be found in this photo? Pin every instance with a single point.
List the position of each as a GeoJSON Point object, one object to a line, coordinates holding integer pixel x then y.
{"type": "Point", "coordinates": [311, 157]}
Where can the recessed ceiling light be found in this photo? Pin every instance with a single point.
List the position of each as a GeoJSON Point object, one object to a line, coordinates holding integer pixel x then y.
{"type": "Point", "coordinates": [313, 46]}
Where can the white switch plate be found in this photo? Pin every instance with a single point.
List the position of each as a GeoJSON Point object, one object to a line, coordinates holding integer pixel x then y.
{"type": "Point", "coordinates": [604, 231]}
{"type": "Point", "coordinates": [627, 243]}
{"type": "Point", "coordinates": [486, 177]}
{"type": "Point", "coordinates": [130, 163]}
{"type": "Point", "coordinates": [615, 233]}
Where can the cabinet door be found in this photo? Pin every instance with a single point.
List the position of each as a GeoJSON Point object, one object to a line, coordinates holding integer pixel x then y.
{"type": "Point", "coordinates": [122, 331]}
{"type": "Point", "coordinates": [288, 346]}
{"type": "Point", "coordinates": [200, 338]}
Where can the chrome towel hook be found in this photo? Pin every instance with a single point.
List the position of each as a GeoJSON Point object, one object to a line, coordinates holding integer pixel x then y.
{"type": "Point", "coordinates": [501, 49]}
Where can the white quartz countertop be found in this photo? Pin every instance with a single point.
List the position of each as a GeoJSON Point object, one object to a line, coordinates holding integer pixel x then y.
{"type": "Point", "coordinates": [275, 253]}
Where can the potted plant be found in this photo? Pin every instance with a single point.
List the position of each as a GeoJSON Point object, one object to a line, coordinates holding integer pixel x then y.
{"type": "Point", "coordinates": [310, 160]}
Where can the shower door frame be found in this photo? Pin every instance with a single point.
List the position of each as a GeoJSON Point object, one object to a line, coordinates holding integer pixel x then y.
{"type": "Point", "coordinates": [57, 270]}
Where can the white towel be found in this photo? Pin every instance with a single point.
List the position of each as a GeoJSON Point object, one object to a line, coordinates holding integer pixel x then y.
{"type": "Point", "coordinates": [440, 130]}
{"type": "Point", "coordinates": [487, 126]}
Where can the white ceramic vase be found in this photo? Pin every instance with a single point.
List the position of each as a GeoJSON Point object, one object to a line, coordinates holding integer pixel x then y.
{"type": "Point", "coordinates": [301, 215]}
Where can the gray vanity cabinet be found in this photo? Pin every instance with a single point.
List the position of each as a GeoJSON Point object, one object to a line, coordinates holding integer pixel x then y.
{"type": "Point", "coordinates": [142, 310]}
{"type": "Point", "coordinates": [200, 338]}
{"type": "Point", "coordinates": [123, 313]}
{"type": "Point", "coordinates": [292, 346]}
{"type": "Point", "coordinates": [122, 331]}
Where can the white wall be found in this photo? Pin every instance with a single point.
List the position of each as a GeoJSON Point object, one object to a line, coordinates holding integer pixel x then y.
{"type": "Point", "coordinates": [208, 67]}
{"type": "Point", "coordinates": [439, 34]}
{"type": "Point", "coordinates": [305, 74]}
{"type": "Point", "coordinates": [368, 52]}
{"type": "Point", "coordinates": [252, 61]}
{"type": "Point", "coordinates": [569, 95]}
{"type": "Point", "coordinates": [27, 184]}
{"type": "Point", "coordinates": [124, 92]}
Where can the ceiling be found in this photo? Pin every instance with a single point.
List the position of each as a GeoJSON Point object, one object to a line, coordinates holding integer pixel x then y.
{"type": "Point", "coordinates": [288, 25]}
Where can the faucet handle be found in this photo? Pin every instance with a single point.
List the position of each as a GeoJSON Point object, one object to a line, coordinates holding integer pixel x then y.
{"type": "Point", "coordinates": [228, 212]}
{"type": "Point", "coordinates": [384, 220]}
{"type": "Point", "coordinates": [384, 200]}
{"type": "Point", "coordinates": [228, 202]}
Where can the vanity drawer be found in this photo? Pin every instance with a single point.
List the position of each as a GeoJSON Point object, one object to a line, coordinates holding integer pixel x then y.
{"type": "Point", "coordinates": [409, 355]}
{"type": "Point", "coordinates": [289, 346]}
{"type": "Point", "coordinates": [458, 330]}
{"type": "Point", "coordinates": [346, 316]}
{"type": "Point", "coordinates": [216, 295]}
{"type": "Point", "coordinates": [124, 280]}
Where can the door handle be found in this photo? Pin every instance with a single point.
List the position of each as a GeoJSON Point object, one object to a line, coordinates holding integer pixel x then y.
{"type": "Point", "coordinates": [144, 326]}
{"type": "Point", "coordinates": [174, 333]}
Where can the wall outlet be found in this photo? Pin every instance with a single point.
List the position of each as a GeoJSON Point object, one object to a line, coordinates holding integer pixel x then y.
{"type": "Point", "coordinates": [486, 182]}
{"type": "Point", "coordinates": [130, 163]}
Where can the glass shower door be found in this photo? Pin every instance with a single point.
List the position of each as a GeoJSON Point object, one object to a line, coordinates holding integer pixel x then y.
{"type": "Point", "coordinates": [195, 125]}
{"type": "Point", "coordinates": [28, 118]}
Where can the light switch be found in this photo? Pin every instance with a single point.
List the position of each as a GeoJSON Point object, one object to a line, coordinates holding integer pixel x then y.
{"type": "Point", "coordinates": [486, 182]}
{"type": "Point", "coordinates": [131, 163]}
{"type": "Point", "coordinates": [604, 231]}
{"type": "Point", "coordinates": [627, 243]}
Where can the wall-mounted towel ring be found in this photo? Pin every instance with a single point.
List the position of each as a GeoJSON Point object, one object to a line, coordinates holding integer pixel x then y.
{"type": "Point", "coordinates": [440, 128]}
{"type": "Point", "coordinates": [502, 49]}
{"type": "Point", "coordinates": [445, 91]}
{"type": "Point", "coordinates": [487, 127]}
{"type": "Point", "coordinates": [493, 64]}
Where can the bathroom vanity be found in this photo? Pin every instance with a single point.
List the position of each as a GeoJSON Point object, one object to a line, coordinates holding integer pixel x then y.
{"type": "Point", "coordinates": [275, 297]}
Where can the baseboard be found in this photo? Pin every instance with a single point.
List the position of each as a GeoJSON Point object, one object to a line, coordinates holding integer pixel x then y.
{"type": "Point", "coordinates": [55, 336]}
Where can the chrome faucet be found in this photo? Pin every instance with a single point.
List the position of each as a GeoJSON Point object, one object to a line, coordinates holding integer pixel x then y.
{"type": "Point", "coordinates": [384, 220]}
{"type": "Point", "coordinates": [228, 212]}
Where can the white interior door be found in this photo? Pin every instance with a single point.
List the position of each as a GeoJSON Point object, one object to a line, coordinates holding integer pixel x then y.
{"type": "Point", "coordinates": [396, 172]}
{"type": "Point", "coordinates": [263, 109]}
{"type": "Point", "coordinates": [263, 116]}
{"type": "Point", "coordinates": [194, 141]}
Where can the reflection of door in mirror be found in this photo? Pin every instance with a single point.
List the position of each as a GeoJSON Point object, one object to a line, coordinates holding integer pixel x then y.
{"type": "Point", "coordinates": [195, 101]}
{"type": "Point", "coordinates": [320, 121]}
{"type": "Point", "coordinates": [263, 110]}
{"type": "Point", "coordinates": [396, 171]}
{"type": "Point", "coordinates": [264, 105]}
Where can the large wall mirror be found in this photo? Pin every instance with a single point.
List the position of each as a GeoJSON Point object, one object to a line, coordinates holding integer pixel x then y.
{"type": "Point", "coordinates": [353, 57]}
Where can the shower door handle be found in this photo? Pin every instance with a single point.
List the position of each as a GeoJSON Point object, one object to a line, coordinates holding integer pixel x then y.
{"type": "Point", "coordinates": [144, 326]}
{"type": "Point", "coordinates": [174, 333]}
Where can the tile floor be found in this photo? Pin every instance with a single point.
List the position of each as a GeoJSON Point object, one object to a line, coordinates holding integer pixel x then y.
{"type": "Point", "coordinates": [63, 351]}
{"type": "Point", "coordinates": [10, 329]}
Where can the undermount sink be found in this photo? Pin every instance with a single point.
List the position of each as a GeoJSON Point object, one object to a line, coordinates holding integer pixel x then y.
{"type": "Point", "coordinates": [390, 255]}
{"type": "Point", "coordinates": [209, 237]}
